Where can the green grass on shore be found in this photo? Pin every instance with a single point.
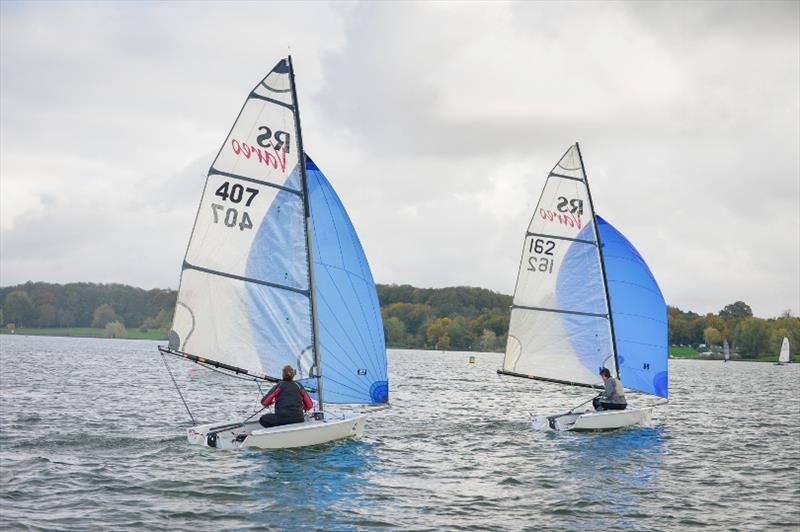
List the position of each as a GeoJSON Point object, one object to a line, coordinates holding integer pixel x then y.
{"type": "Point", "coordinates": [682, 352]}
{"type": "Point", "coordinates": [84, 332]}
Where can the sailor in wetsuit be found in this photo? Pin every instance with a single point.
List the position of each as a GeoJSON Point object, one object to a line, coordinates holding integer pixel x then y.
{"type": "Point", "coordinates": [613, 396]}
{"type": "Point", "coordinates": [290, 399]}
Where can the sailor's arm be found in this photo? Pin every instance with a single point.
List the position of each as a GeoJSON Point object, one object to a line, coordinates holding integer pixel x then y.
{"type": "Point", "coordinates": [268, 399]}
{"type": "Point", "coordinates": [308, 404]}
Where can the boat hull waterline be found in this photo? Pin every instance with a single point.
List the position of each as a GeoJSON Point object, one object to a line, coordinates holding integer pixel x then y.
{"type": "Point", "coordinates": [591, 420]}
{"type": "Point", "coordinates": [253, 436]}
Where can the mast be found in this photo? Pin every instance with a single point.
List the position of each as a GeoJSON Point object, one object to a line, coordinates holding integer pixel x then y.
{"type": "Point", "coordinates": [301, 157]}
{"type": "Point", "coordinates": [602, 261]}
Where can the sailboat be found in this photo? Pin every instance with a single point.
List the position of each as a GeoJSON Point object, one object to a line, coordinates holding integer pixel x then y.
{"type": "Point", "coordinates": [726, 350]}
{"type": "Point", "coordinates": [784, 358]}
{"type": "Point", "coordinates": [275, 275]}
{"type": "Point", "coordinates": [584, 299]}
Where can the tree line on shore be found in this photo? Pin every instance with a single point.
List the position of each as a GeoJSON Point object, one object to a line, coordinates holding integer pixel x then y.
{"type": "Point", "coordinates": [458, 318]}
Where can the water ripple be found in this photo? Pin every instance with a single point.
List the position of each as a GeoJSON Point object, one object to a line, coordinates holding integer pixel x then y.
{"type": "Point", "coordinates": [91, 436]}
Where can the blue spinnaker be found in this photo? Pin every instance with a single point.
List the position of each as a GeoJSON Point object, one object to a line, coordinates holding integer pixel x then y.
{"type": "Point", "coordinates": [280, 318]}
{"type": "Point", "coordinates": [639, 313]}
{"type": "Point", "coordinates": [580, 292]}
{"type": "Point", "coordinates": [351, 342]}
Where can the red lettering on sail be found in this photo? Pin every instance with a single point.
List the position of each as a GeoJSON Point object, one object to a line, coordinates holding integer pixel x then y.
{"type": "Point", "coordinates": [570, 220]}
{"type": "Point", "coordinates": [274, 158]}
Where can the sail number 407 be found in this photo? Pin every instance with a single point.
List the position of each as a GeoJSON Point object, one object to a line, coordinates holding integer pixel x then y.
{"type": "Point", "coordinates": [235, 194]}
{"type": "Point", "coordinates": [541, 259]}
{"type": "Point", "coordinates": [231, 217]}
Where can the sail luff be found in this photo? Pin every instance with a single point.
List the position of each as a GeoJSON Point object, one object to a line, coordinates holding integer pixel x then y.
{"type": "Point", "coordinates": [308, 228]}
{"type": "Point", "coordinates": [602, 262]}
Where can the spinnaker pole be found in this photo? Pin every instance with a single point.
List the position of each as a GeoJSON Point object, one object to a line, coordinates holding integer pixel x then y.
{"type": "Point", "coordinates": [301, 157]}
{"type": "Point", "coordinates": [602, 261]}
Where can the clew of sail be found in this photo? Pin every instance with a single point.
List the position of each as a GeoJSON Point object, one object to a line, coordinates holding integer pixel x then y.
{"type": "Point", "coordinates": [560, 328]}
{"type": "Point", "coordinates": [350, 327]}
{"type": "Point", "coordinates": [244, 296]}
{"type": "Point", "coordinates": [639, 313]}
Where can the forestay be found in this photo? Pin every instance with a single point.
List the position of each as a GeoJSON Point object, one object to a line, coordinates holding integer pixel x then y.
{"type": "Point", "coordinates": [350, 328]}
{"type": "Point", "coordinates": [639, 313]}
{"type": "Point", "coordinates": [559, 326]}
{"type": "Point", "coordinates": [244, 291]}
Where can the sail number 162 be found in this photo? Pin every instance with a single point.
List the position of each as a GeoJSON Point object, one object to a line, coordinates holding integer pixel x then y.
{"type": "Point", "coordinates": [541, 259]}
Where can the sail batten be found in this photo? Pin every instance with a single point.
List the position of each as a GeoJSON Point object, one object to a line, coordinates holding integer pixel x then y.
{"type": "Point", "coordinates": [214, 171]}
{"type": "Point", "coordinates": [542, 309]}
{"type": "Point", "coordinates": [256, 96]}
{"type": "Point", "coordinates": [187, 266]}
{"type": "Point", "coordinates": [561, 176]}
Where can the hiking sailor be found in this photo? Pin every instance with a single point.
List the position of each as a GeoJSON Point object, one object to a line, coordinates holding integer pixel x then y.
{"type": "Point", "coordinates": [613, 396]}
{"type": "Point", "coordinates": [290, 399]}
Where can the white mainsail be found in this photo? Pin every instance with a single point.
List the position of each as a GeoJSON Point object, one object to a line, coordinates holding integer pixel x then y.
{"type": "Point", "coordinates": [726, 350]}
{"type": "Point", "coordinates": [244, 296]}
{"type": "Point", "coordinates": [784, 356]}
{"type": "Point", "coordinates": [560, 328]}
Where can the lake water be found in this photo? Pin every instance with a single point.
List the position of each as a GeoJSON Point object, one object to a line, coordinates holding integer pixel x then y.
{"type": "Point", "coordinates": [92, 436]}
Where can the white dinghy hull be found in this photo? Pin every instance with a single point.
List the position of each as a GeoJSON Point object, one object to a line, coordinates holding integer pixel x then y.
{"type": "Point", "coordinates": [253, 436]}
{"type": "Point", "coordinates": [591, 420]}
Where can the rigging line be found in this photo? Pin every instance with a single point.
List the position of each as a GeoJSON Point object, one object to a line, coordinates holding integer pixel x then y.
{"type": "Point", "coordinates": [507, 383]}
{"type": "Point", "coordinates": [178, 389]}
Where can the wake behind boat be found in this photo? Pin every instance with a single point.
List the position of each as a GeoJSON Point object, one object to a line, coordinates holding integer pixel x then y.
{"type": "Point", "coordinates": [275, 275]}
{"type": "Point", "coordinates": [585, 299]}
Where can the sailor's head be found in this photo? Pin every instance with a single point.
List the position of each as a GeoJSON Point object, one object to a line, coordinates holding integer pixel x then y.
{"type": "Point", "coordinates": [288, 373]}
{"type": "Point", "coordinates": [604, 374]}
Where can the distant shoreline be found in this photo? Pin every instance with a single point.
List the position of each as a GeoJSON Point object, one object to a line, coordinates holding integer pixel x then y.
{"type": "Point", "coordinates": [84, 332]}
{"type": "Point", "coordinates": [676, 353]}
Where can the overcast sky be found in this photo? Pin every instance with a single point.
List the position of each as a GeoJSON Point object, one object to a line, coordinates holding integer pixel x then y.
{"type": "Point", "coordinates": [436, 123]}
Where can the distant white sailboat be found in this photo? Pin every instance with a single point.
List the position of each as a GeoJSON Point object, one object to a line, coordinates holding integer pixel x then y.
{"type": "Point", "coordinates": [275, 275]}
{"type": "Point", "coordinates": [726, 350]}
{"type": "Point", "coordinates": [784, 357]}
{"type": "Point", "coordinates": [585, 299]}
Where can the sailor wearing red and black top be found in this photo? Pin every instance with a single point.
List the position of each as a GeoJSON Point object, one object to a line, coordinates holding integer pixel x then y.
{"type": "Point", "coordinates": [290, 399]}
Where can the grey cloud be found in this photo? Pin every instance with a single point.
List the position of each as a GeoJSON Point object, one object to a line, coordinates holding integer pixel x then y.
{"type": "Point", "coordinates": [436, 123]}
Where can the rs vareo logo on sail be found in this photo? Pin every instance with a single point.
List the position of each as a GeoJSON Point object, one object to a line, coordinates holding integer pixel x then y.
{"type": "Point", "coordinates": [569, 212]}
{"type": "Point", "coordinates": [272, 147]}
